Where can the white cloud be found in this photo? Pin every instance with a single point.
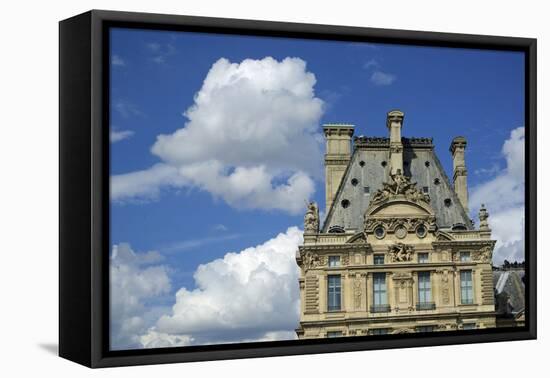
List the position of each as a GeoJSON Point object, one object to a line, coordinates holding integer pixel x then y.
{"type": "Point", "coordinates": [247, 296]}
{"type": "Point", "coordinates": [118, 135]}
{"type": "Point", "coordinates": [504, 197]}
{"type": "Point", "coordinates": [126, 109]}
{"type": "Point", "coordinates": [145, 185]}
{"type": "Point", "coordinates": [117, 61]}
{"type": "Point", "coordinates": [134, 279]}
{"type": "Point", "coordinates": [373, 63]}
{"type": "Point", "coordinates": [161, 52]}
{"type": "Point", "coordinates": [196, 243]}
{"type": "Point", "coordinates": [220, 227]}
{"type": "Point", "coordinates": [382, 78]}
{"type": "Point", "coordinates": [251, 138]}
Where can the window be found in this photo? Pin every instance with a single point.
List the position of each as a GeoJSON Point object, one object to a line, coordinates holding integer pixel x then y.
{"type": "Point", "coordinates": [464, 256]}
{"type": "Point", "coordinates": [379, 331]}
{"type": "Point", "coordinates": [354, 181]}
{"type": "Point", "coordinates": [425, 189]}
{"type": "Point", "coordinates": [425, 329]}
{"type": "Point", "coordinates": [421, 231]}
{"type": "Point", "coordinates": [423, 258]}
{"type": "Point", "coordinates": [331, 334]}
{"type": "Point", "coordinates": [345, 203]}
{"type": "Point", "coordinates": [469, 326]}
{"type": "Point", "coordinates": [427, 163]}
{"type": "Point", "coordinates": [379, 292]}
{"type": "Point", "coordinates": [447, 202]}
{"type": "Point", "coordinates": [378, 259]}
{"type": "Point", "coordinates": [379, 232]}
{"type": "Point", "coordinates": [366, 189]}
{"type": "Point", "coordinates": [466, 289]}
{"type": "Point", "coordinates": [334, 293]}
{"type": "Point", "coordinates": [384, 163]}
{"type": "Point", "coordinates": [437, 181]}
{"type": "Point", "coordinates": [424, 292]}
{"type": "Point", "coordinates": [333, 261]}
{"type": "Point", "coordinates": [361, 163]}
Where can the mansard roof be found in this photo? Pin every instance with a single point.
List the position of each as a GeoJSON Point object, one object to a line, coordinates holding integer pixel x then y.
{"type": "Point", "coordinates": [369, 167]}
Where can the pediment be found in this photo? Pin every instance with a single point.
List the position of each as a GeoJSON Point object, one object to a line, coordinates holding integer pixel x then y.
{"type": "Point", "coordinates": [400, 207]}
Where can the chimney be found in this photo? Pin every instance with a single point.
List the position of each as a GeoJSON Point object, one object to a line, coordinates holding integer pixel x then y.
{"type": "Point", "coordinates": [338, 154]}
{"type": "Point", "coordinates": [394, 123]}
{"type": "Point", "coordinates": [458, 146]}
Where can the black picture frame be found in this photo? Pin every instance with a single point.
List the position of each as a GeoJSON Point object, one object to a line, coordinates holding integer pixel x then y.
{"type": "Point", "coordinates": [84, 187]}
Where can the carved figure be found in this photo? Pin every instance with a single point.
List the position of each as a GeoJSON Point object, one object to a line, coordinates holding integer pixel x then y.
{"type": "Point", "coordinates": [311, 219]}
{"type": "Point", "coordinates": [400, 252]}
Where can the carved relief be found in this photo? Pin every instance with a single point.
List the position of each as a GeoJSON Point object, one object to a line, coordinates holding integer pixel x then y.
{"type": "Point", "coordinates": [445, 291]}
{"type": "Point", "coordinates": [357, 292]}
{"type": "Point", "coordinates": [310, 260]}
{"type": "Point", "coordinates": [400, 252]}
{"type": "Point", "coordinates": [399, 185]}
{"type": "Point", "coordinates": [345, 260]}
{"type": "Point", "coordinates": [484, 254]}
{"type": "Point", "coordinates": [392, 224]}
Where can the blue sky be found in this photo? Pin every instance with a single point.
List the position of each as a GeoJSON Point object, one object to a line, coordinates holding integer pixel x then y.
{"type": "Point", "coordinates": [155, 76]}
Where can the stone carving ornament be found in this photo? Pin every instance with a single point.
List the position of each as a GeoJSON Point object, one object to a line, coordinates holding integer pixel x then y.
{"type": "Point", "coordinates": [485, 254]}
{"type": "Point", "coordinates": [400, 184]}
{"type": "Point", "coordinates": [311, 219]}
{"type": "Point", "coordinates": [311, 260]}
{"type": "Point", "coordinates": [400, 252]}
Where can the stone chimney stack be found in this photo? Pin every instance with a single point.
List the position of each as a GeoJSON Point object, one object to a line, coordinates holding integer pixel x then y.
{"type": "Point", "coordinates": [394, 123]}
{"type": "Point", "coordinates": [458, 146]}
{"type": "Point", "coordinates": [338, 154]}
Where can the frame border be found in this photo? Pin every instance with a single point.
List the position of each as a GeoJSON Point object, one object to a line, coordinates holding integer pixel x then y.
{"type": "Point", "coordinates": [84, 187]}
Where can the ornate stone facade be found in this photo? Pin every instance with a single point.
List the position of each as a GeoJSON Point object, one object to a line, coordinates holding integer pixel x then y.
{"type": "Point", "coordinates": [402, 271]}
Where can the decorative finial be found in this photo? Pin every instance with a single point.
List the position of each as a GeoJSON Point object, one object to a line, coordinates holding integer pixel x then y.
{"type": "Point", "coordinates": [483, 215]}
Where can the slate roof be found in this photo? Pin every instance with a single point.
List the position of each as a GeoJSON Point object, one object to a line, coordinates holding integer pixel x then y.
{"type": "Point", "coordinates": [366, 173]}
{"type": "Point", "coordinates": [509, 291]}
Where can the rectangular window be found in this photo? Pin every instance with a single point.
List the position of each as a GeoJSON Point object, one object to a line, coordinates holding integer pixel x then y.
{"type": "Point", "coordinates": [334, 293]}
{"type": "Point", "coordinates": [425, 329]}
{"type": "Point", "coordinates": [380, 293]}
{"type": "Point", "coordinates": [469, 326]}
{"type": "Point", "coordinates": [464, 256]}
{"type": "Point", "coordinates": [423, 258]}
{"type": "Point", "coordinates": [366, 190]}
{"type": "Point", "coordinates": [378, 259]}
{"type": "Point", "coordinates": [333, 261]}
{"type": "Point", "coordinates": [424, 287]}
{"type": "Point", "coordinates": [379, 331]}
{"type": "Point", "coordinates": [331, 334]}
{"type": "Point", "coordinates": [425, 189]}
{"type": "Point", "coordinates": [466, 288]}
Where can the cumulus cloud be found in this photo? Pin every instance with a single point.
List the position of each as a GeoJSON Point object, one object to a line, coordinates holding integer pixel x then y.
{"type": "Point", "coordinates": [118, 135]}
{"type": "Point", "coordinates": [135, 278]}
{"type": "Point", "coordinates": [251, 295]}
{"type": "Point", "coordinates": [251, 138]}
{"type": "Point", "coordinates": [504, 197]}
{"type": "Point", "coordinates": [382, 78]}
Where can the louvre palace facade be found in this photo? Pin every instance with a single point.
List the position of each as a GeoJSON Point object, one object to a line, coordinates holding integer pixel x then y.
{"type": "Point", "coordinates": [397, 251]}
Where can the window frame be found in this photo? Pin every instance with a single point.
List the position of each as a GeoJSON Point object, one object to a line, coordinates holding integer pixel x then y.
{"type": "Point", "coordinates": [334, 291]}
{"type": "Point", "coordinates": [469, 298]}
{"type": "Point", "coordinates": [338, 260]}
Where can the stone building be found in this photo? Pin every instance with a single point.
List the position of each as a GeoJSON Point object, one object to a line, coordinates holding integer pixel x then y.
{"type": "Point", "coordinates": [397, 252]}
